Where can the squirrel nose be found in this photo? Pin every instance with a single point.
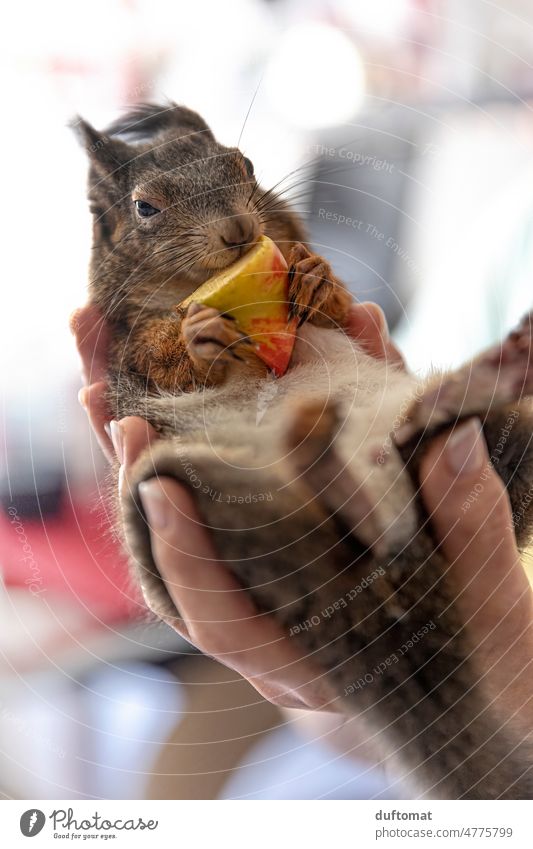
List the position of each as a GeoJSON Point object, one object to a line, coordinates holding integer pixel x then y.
{"type": "Point", "coordinates": [238, 231]}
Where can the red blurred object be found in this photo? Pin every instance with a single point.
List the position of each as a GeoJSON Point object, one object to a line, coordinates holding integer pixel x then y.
{"type": "Point", "coordinates": [73, 554]}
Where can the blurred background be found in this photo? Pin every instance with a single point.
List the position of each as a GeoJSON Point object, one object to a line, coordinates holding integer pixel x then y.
{"type": "Point", "coordinates": [403, 131]}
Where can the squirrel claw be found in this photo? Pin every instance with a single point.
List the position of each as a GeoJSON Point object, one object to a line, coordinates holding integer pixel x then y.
{"type": "Point", "coordinates": [211, 338]}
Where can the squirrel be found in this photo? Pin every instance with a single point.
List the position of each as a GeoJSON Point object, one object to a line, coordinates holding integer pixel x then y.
{"type": "Point", "coordinates": [164, 222]}
{"type": "Point", "coordinates": [308, 483]}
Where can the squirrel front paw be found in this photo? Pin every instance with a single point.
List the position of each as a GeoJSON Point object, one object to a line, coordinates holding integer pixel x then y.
{"type": "Point", "coordinates": [315, 294]}
{"type": "Point", "coordinates": [213, 339]}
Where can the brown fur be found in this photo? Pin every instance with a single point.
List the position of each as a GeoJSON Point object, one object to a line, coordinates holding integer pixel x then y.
{"type": "Point", "coordinates": [311, 502]}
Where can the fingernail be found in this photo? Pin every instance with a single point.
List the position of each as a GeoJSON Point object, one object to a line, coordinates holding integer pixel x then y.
{"type": "Point", "coordinates": [82, 397]}
{"type": "Point", "coordinates": [465, 449]}
{"type": "Point", "coordinates": [121, 480]}
{"type": "Point", "coordinates": [115, 434]}
{"type": "Point", "coordinates": [155, 503]}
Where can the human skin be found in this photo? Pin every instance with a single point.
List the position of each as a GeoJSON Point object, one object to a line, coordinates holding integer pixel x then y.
{"type": "Point", "coordinates": [485, 568]}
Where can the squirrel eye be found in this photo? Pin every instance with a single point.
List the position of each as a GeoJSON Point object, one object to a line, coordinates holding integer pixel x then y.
{"type": "Point", "coordinates": [145, 209]}
{"type": "Point", "coordinates": [249, 166]}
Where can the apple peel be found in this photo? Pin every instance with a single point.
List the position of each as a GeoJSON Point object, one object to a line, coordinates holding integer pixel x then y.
{"type": "Point", "coordinates": [254, 291]}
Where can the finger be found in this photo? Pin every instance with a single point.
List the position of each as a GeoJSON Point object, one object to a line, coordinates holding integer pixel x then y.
{"type": "Point", "coordinates": [469, 510]}
{"type": "Point", "coordinates": [218, 613]}
{"type": "Point", "coordinates": [132, 435]}
{"type": "Point", "coordinates": [368, 326]}
{"type": "Point", "coordinates": [92, 399]}
{"type": "Point", "coordinates": [92, 340]}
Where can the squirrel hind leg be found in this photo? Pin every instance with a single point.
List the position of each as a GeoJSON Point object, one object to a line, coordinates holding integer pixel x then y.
{"type": "Point", "coordinates": [356, 492]}
{"type": "Point", "coordinates": [499, 376]}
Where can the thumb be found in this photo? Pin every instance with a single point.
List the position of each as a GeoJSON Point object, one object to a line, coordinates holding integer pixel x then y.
{"type": "Point", "coordinates": [366, 323]}
{"type": "Point", "coordinates": [470, 514]}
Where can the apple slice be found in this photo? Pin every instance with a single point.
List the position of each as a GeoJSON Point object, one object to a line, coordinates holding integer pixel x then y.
{"type": "Point", "coordinates": [254, 291]}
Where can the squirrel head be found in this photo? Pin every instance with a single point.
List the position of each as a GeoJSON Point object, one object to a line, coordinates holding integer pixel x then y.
{"type": "Point", "coordinates": [171, 205]}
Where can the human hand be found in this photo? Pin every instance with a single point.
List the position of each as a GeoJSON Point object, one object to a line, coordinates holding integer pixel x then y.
{"type": "Point", "coordinates": [470, 512]}
{"type": "Point", "coordinates": [92, 340]}
{"type": "Point", "coordinates": [217, 616]}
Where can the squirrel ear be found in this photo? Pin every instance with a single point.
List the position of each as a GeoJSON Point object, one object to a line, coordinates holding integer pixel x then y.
{"type": "Point", "coordinates": [106, 154]}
